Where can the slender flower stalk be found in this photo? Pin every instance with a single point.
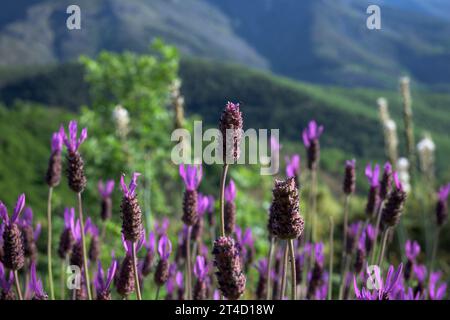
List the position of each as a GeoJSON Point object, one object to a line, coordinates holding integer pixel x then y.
{"type": "Point", "coordinates": [77, 182]}
{"type": "Point", "coordinates": [272, 248]}
{"type": "Point", "coordinates": [14, 253]}
{"type": "Point", "coordinates": [132, 228]}
{"type": "Point", "coordinates": [330, 270]}
{"type": "Point", "coordinates": [284, 270]}
{"type": "Point", "coordinates": [53, 179]}
{"type": "Point", "coordinates": [192, 176]}
{"type": "Point", "coordinates": [348, 188]}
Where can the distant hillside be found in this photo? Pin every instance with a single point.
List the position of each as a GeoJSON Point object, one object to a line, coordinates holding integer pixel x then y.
{"type": "Point", "coordinates": [319, 41]}
{"type": "Point", "coordinates": [349, 115]}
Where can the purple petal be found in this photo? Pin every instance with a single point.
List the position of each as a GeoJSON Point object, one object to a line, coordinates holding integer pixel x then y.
{"type": "Point", "coordinates": [305, 138]}
{"type": "Point", "coordinates": [4, 213]}
{"type": "Point", "coordinates": [230, 191]}
{"type": "Point", "coordinates": [18, 208]}
{"type": "Point", "coordinates": [397, 181]}
{"type": "Point", "coordinates": [37, 232]}
{"type": "Point", "coordinates": [111, 272]}
{"type": "Point", "coordinates": [164, 247]}
{"type": "Point", "coordinates": [179, 279]}
{"type": "Point", "coordinates": [123, 185]}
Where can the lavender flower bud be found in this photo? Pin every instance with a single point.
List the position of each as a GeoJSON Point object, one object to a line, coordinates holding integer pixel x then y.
{"type": "Point", "coordinates": [359, 260]}
{"type": "Point", "coordinates": [106, 209]}
{"type": "Point", "coordinates": [76, 258]}
{"type": "Point", "coordinates": [147, 263]}
{"type": "Point", "coordinates": [75, 172]}
{"type": "Point", "coordinates": [94, 249]}
{"type": "Point", "coordinates": [229, 272]}
{"type": "Point", "coordinates": [162, 272]}
{"type": "Point", "coordinates": [349, 177]}
{"type": "Point", "coordinates": [66, 243]}
{"type": "Point", "coordinates": [317, 272]}
{"type": "Point", "coordinates": [14, 258]}
{"type": "Point", "coordinates": [261, 288]}
{"type": "Point", "coordinates": [390, 216]}
{"type": "Point", "coordinates": [132, 228]}
{"type": "Point", "coordinates": [441, 206]}
{"type": "Point", "coordinates": [311, 137]}
{"type": "Point", "coordinates": [373, 198]}
{"type": "Point", "coordinates": [190, 215]}
{"type": "Point", "coordinates": [230, 217]}
{"type": "Point", "coordinates": [53, 176]}
{"type": "Point", "coordinates": [125, 281]}
{"type": "Point", "coordinates": [285, 221]}
{"type": "Point", "coordinates": [231, 125]}
{"type": "Point", "coordinates": [386, 181]}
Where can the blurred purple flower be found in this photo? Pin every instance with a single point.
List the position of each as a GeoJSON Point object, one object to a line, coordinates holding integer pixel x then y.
{"type": "Point", "coordinates": [57, 142]}
{"type": "Point", "coordinates": [17, 210]}
{"type": "Point", "coordinates": [412, 249]}
{"type": "Point", "coordinates": [312, 132]}
{"type": "Point", "coordinates": [436, 292]}
{"type": "Point", "coordinates": [162, 227]}
{"type": "Point", "coordinates": [230, 191]}
{"type": "Point", "coordinates": [5, 282]}
{"type": "Point", "coordinates": [293, 166]}
{"type": "Point", "coordinates": [384, 293]}
{"type": "Point", "coordinates": [36, 284]}
{"type": "Point", "coordinates": [373, 175]}
{"type": "Point", "coordinates": [202, 204]}
{"type": "Point", "coordinates": [105, 189]}
{"type": "Point", "coordinates": [200, 268]}
{"type": "Point", "coordinates": [164, 247]}
{"type": "Point", "coordinates": [101, 284]}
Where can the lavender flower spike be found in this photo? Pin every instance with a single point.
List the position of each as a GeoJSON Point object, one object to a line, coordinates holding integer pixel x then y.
{"type": "Point", "coordinates": [105, 189]}
{"type": "Point", "coordinates": [14, 254]}
{"type": "Point", "coordinates": [54, 169]}
{"type": "Point", "coordinates": [162, 269]}
{"type": "Point", "coordinates": [434, 292]}
{"type": "Point", "coordinates": [293, 168]}
{"type": "Point", "coordinates": [164, 247]}
{"type": "Point", "coordinates": [6, 284]}
{"type": "Point", "coordinates": [311, 137]}
{"type": "Point", "coordinates": [132, 227]}
{"type": "Point", "coordinates": [192, 176]}
{"type": "Point", "coordinates": [349, 177]}
{"type": "Point", "coordinates": [200, 271]}
{"type": "Point", "coordinates": [102, 287]}
{"type": "Point", "coordinates": [67, 239]}
{"type": "Point", "coordinates": [373, 197]}
{"type": "Point", "coordinates": [36, 285]}
{"type": "Point", "coordinates": [412, 249]}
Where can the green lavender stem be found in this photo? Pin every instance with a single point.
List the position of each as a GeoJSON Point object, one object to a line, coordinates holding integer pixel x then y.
{"type": "Point", "coordinates": [188, 264]}
{"type": "Point", "coordinates": [283, 279]}
{"type": "Point", "coordinates": [49, 243]}
{"type": "Point", "coordinates": [383, 246]}
{"type": "Point", "coordinates": [83, 241]}
{"type": "Point", "coordinates": [17, 282]}
{"type": "Point", "coordinates": [135, 271]}
{"type": "Point", "coordinates": [269, 263]}
{"type": "Point", "coordinates": [293, 279]}
{"type": "Point", "coordinates": [222, 196]}
{"type": "Point", "coordinates": [330, 271]}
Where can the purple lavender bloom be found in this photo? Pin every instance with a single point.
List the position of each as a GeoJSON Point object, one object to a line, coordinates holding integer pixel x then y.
{"type": "Point", "coordinates": [436, 292]}
{"type": "Point", "coordinates": [71, 142]}
{"type": "Point", "coordinates": [230, 191]}
{"type": "Point", "coordinates": [370, 237]}
{"type": "Point", "coordinates": [36, 284]}
{"type": "Point", "coordinates": [105, 189]}
{"type": "Point", "coordinates": [293, 168]}
{"type": "Point", "coordinates": [443, 193]}
{"type": "Point", "coordinates": [102, 285]}
{"type": "Point", "coordinates": [128, 245]}
{"type": "Point", "coordinates": [164, 247]}
{"type": "Point", "coordinates": [373, 175]}
{"type": "Point", "coordinates": [17, 210]}
{"type": "Point", "coordinates": [412, 250]}
{"type": "Point", "coordinates": [37, 232]}
{"type": "Point", "coordinates": [192, 176]}
{"type": "Point", "coordinates": [441, 207]}
{"type": "Point", "coordinates": [311, 133]}
{"type": "Point", "coordinates": [202, 204]}
{"type": "Point", "coordinates": [409, 295]}
{"type": "Point", "coordinates": [216, 295]}
{"type": "Point", "coordinates": [318, 253]}
{"type": "Point", "coordinates": [386, 181]}
{"type": "Point", "coordinates": [385, 292]}
{"type": "Point", "coordinates": [352, 233]}
{"type": "Point", "coordinates": [130, 191]}
{"type": "Point", "coordinates": [200, 268]}
{"type": "Point", "coordinates": [349, 184]}
{"type": "Point", "coordinates": [57, 142]}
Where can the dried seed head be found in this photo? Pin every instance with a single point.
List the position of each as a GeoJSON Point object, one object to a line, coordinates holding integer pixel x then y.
{"type": "Point", "coordinates": [53, 176]}
{"type": "Point", "coordinates": [66, 242]}
{"type": "Point", "coordinates": [125, 281]}
{"type": "Point", "coordinates": [190, 214]}
{"type": "Point", "coordinates": [75, 172]}
{"type": "Point", "coordinates": [131, 218]}
{"type": "Point", "coordinates": [285, 221]}
{"type": "Point", "coordinates": [14, 253]}
{"type": "Point", "coordinates": [230, 217]}
{"type": "Point", "coordinates": [231, 126]}
{"type": "Point", "coordinates": [76, 257]}
{"type": "Point", "coordinates": [229, 273]}
{"type": "Point", "coordinates": [162, 272]}
{"type": "Point", "coordinates": [106, 209]}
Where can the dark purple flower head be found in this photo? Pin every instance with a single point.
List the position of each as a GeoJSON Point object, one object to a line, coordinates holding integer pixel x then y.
{"type": "Point", "coordinates": [57, 142]}
{"type": "Point", "coordinates": [105, 189]}
{"type": "Point", "coordinates": [69, 218]}
{"type": "Point", "coordinates": [230, 191]}
{"type": "Point", "coordinates": [130, 191]}
{"type": "Point", "coordinates": [164, 247]}
{"type": "Point", "coordinates": [349, 184]}
{"type": "Point", "coordinates": [443, 193]}
{"type": "Point", "coordinates": [71, 141]}
{"type": "Point", "coordinates": [436, 292]}
{"type": "Point", "coordinates": [311, 133]}
{"type": "Point", "coordinates": [202, 204]}
{"type": "Point", "coordinates": [293, 166]}
{"type": "Point", "coordinates": [373, 175]}
{"type": "Point", "coordinates": [262, 266]}
{"type": "Point", "coordinates": [101, 284]}
{"type": "Point", "coordinates": [162, 227]}
{"type": "Point", "coordinates": [150, 242]}
{"type": "Point", "coordinates": [412, 249]}
{"type": "Point", "coordinates": [420, 271]}
{"type": "Point", "coordinates": [200, 268]}
{"type": "Point", "coordinates": [318, 253]}
{"type": "Point", "coordinates": [17, 210]}
{"type": "Point", "coordinates": [5, 281]}
{"type": "Point", "coordinates": [192, 176]}
{"type": "Point", "coordinates": [128, 245]}
{"type": "Point", "coordinates": [36, 284]}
